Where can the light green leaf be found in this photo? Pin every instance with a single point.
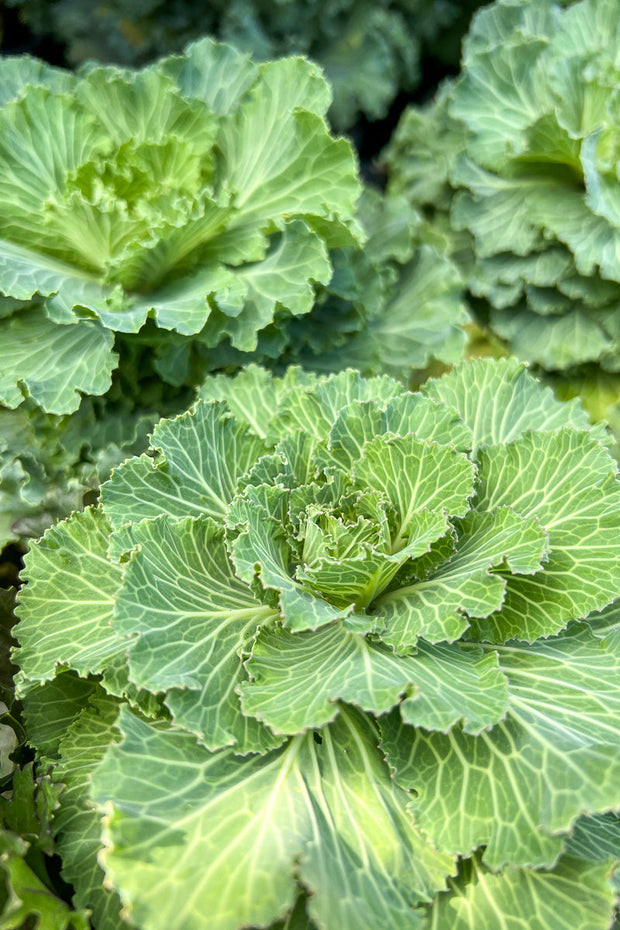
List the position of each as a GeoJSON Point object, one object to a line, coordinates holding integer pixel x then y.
{"type": "Point", "coordinates": [498, 400]}
{"type": "Point", "coordinates": [24, 273]}
{"type": "Point", "coordinates": [415, 475]}
{"type": "Point", "coordinates": [500, 211]}
{"type": "Point", "coordinates": [285, 277]}
{"type": "Point", "coordinates": [22, 71]}
{"type": "Point", "coordinates": [456, 682]}
{"type": "Point", "coordinates": [569, 482]}
{"type": "Point", "coordinates": [231, 834]}
{"type": "Point", "coordinates": [315, 408]}
{"type": "Point", "coordinates": [465, 585]}
{"type": "Point", "coordinates": [262, 550]}
{"type": "Point", "coordinates": [50, 710]}
{"type": "Point", "coordinates": [500, 96]}
{"type": "Point", "coordinates": [253, 394]}
{"type": "Point", "coordinates": [210, 71]}
{"type": "Point", "coordinates": [518, 787]}
{"type": "Point", "coordinates": [277, 158]}
{"type": "Point", "coordinates": [595, 838]}
{"type": "Point", "coordinates": [574, 894]}
{"type": "Point", "coordinates": [191, 620]}
{"type": "Point", "coordinates": [402, 415]}
{"type": "Point", "coordinates": [554, 343]}
{"type": "Point", "coordinates": [297, 678]}
{"type": "Point", "coordinates": [53, 363]}
{"type": "Point", "coordinates": [365, 568]}
{"type": "Point", "coordinates": [204, 452]}
{"type": "Point", "coordinates": [66, 607]}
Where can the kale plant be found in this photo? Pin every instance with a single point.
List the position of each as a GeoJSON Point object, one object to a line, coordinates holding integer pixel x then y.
{"type": "Point", "coordinates": [516, 165]}
{"type": "Point", "coordinates": [337, 655]}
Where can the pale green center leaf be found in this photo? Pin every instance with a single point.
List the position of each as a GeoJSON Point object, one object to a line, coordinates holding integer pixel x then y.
{"type": "Point", "coordinates": [440, 606]}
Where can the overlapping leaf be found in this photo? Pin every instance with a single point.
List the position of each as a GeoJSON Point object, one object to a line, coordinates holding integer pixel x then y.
{"type": "Point", "coordinates": [574, 893]}
{"type": "Point", "coordinates": [518, 787]}
{"type": "Point", "coordinates": [191, 620]}
{"type": "Point", "coordinates": [297, 678]}
{"type": "Point", "coordinates": [67, 606]}
{"type": "Point", "coordinates": [230, 835]}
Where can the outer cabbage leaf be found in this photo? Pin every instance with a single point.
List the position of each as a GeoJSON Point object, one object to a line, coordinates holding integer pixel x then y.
{"type": "Point", "coordinates": [500, 402]}
{"type": "Point", "coordinates": [518, 787]}
{"type": "Point", "coordinates": [62, 629]}
{"type": "Point", "coordinates": [191, 620]}
{"type": "Point", "coordinates": [202, 455]}
{"type": "Point", "coordinates": [53, 362]}
{"type": "Point", "coordinates": [255, 824]}
{"type": "Point", "coordinates": [574, 893]}
{"type": "Point", "coordinates": [76, 825]}
{"type": "Point", "coordinates": [545, 475]}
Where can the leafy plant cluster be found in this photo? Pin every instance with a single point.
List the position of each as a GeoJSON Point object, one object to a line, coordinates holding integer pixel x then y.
{"type": "Point", "coordinates": [325, 639]}
{"type": "Point", "coordinates": [207, 218]}
{"type": "Point", "coordinates": [340, 648]}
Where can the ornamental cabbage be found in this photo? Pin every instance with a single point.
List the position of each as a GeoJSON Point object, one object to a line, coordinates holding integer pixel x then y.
{"type": "Point", "coordinates": [517, 162]}
{"type": "Point", "coordinates": [327, 638]}
{"type": "Point", "coordinates": [201, 194]}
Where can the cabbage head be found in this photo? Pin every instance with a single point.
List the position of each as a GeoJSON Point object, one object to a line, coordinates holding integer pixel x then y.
{"type": "Point", "coordinates": [201, 194]}
{"type": "Point", "coordinates": [517, 162]}
{"type": "Point", "coordinates": [337, 655]}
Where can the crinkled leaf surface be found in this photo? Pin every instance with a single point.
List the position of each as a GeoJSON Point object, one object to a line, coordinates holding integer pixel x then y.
{"type": "Point", "coordinates": [66, 608]}
{"type": "Point", "coordinates": [76, 825]}
{"type": "Point", "coordinates": [568, 481]}
{"type": "Point", "coordinates": [501, 401]}
{"type": "Point", "coordinates": [519, 786]}
{"type": "Point", "coordinates": [466, 585]}
{"type": "Point", "coordinates": [203, 453]}
{"type": "Point", "coordinates": [190, 620]}
{"type": "Point", "coordinates": [231, 834]}
{"type": "Point", "coordinates": [53, 363]}
{"type": "Point", "coordinates": [297, 678]}
{"type": "Point", "coordinates": [574, 893]}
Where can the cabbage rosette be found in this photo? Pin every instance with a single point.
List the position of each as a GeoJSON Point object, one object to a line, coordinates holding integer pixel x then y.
{"type": "Point", "coordinates": [327, 637]}
{"type": "Point", "coordinates": [521, 152]}
{"type": "Point", "coordinates": [203, 193]}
